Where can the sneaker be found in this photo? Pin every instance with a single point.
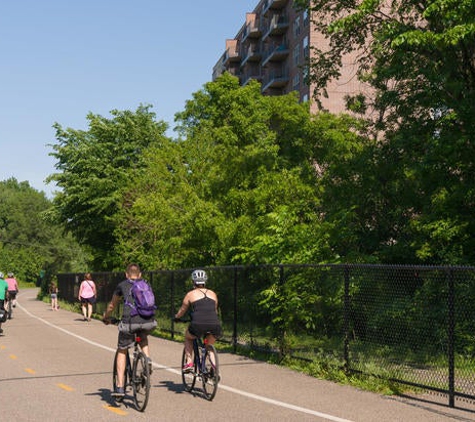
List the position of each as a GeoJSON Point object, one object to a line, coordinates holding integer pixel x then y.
{"type": "Point", "coordinates": [1, 330]}
{"type": "Point", "coordinates": [188, 367]}
{"type": "Point", "coordinates": [14, 305]}
{"type": "Point", "coordinates": [118, 393]}
{"type": "Point", "coordinates": [150, 366]}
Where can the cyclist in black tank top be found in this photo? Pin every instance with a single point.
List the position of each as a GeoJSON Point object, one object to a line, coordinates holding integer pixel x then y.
{"type": "Point", "coordinates": [203, 311]}
{"type": "Point", "coordinates": [203, 304]}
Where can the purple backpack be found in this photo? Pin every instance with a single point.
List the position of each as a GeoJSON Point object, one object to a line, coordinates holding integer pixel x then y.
{"type": "Point", "coordinates": [143, 299]}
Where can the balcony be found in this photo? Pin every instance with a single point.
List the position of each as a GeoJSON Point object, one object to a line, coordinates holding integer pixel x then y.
{"type": "Point", "coordinates": [279, 24]}
{"type": "Point", "coordinates": [251, 30]}
{"type": "Point", "coordinates": [276, 53]}
{"type": "Point", "coordinates": [252, 53]}
{"type": "Point", "coordinates": [247, 76]}
{"type": "Point", "coordinates": [273, 5]}
{"type": "Point", "coordinates": [275, 78]}
{"type": "Point", "coordinates": [231, 54]}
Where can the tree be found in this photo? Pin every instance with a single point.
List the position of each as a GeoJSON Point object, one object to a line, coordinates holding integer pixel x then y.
{"type": "Point", "coordinates": [29, 242]}
{"type": "Point", "coordinates": [93, 168]}
{"type": "Point", "coordinates": [418, 59]}
{"type": "Point", "coordinates": [236, 187]}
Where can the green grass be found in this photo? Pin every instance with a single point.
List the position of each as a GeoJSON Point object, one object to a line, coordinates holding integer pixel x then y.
{"type": "Point", "coordinates": [317, 357]}
{"type": "Point", "coordinates": [26, 285]}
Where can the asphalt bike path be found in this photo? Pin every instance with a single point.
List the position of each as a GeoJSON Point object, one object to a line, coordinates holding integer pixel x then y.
{"type": "Point", "coordinates": [56, 367]}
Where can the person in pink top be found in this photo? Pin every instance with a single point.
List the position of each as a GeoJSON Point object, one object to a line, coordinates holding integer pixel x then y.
{"type": "Point", "coordinates": [12, 288]}
{"type": "Point", "coordinates": [87, 296]}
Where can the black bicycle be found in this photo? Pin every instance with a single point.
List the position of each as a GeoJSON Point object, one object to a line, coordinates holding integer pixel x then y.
{"type": "Point", "coordinates": [136, 376]}
{"type": "Point", "coordinates": [9, 306]}
{"type": "Point", "coordinates": [205, 367]}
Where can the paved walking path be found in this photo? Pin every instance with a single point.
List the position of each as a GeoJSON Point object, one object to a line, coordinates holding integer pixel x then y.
{"type": "Point", "coordinates": [54, 366]}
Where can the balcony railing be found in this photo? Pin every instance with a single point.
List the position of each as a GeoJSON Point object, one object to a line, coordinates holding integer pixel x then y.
{"type": "Point", "coordinates": [252, 53]}
{"type": "Point", "coordinates": [230, 55]}
{"type": "Point", "coordinates": [278, 25]}
{"type": "Point", "coordinates": [251, 30]}
{"type": "Point", "coordinates": [275, 78]}
{"type": "Point", "coordinates": [273, 4]}
{"type": "Point", "coordinates": [246, 77]}
{"type": "Point", "coordinates": [276, 53]}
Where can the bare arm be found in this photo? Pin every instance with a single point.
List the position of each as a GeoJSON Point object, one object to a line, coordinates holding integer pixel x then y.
{"type": "Point", "coordinates": [111, 306]}
{"type": "Point", "coordinates": [184, 307]}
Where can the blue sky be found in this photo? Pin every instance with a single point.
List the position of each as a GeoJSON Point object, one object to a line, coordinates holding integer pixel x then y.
{"type": "Point", "coordinates": [62, 59]}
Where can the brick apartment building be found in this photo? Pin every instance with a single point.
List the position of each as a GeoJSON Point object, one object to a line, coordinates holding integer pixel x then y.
{"type": "Point", "coordinates": [273, 47]}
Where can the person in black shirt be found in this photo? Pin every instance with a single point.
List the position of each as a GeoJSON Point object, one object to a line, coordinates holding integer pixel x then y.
{"type": "Point", "coordinates": [128, 324]}
{"type": "Point", "coordinates": [203, 304]}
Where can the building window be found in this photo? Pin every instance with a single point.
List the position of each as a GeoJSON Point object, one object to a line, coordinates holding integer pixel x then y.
{"type": "Point", "coordinates": [297, 27]}
{"type": "Point", "coordinates": [296, 82]}
{"type": "Point", "coordinates": [296, 53]}
{"type": "Point", "coordinates": [305, 75]}
{"type": "Point", "coordinates": [305, 47]}
{"type": "Point", "coordinates": [304, 98]}
{"type": "Point", "coordinates": [306, 20]}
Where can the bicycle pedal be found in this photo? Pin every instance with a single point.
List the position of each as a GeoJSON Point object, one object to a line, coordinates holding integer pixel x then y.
{"type": "Point", "coordinates": [118, 395]}
{"type": "Point", "coordinates": [118, 399]}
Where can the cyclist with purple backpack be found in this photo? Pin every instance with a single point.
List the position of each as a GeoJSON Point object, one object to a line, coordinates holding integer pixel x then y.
{"type": "Point", "coordinates": [138, 316]}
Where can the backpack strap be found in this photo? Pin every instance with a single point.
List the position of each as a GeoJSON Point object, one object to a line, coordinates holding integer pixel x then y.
{"type": "Point", "coordinates": [128, 299]}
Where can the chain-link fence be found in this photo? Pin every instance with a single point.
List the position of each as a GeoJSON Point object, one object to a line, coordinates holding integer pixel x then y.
{"type": "Point", "coordinates": [408, 324]}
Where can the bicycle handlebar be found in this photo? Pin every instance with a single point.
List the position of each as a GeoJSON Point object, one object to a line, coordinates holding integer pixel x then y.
{"type": "Point", "coordinates": [181, 320]}
{"type": "Point", "coordinates": [111, 320]}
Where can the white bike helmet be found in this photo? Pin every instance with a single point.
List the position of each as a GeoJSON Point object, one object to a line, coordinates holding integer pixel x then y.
{"type": "Point", "coordinates": [199, 277]}
{"type": "Point", "coordinates": [2, 275]}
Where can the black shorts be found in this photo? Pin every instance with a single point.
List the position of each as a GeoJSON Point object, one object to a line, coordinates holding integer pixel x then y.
{"type": "Point", "coordinates": [86, 300]}
{"type": "Point", "coordinates": [12, 294]}
{"type": "Point", "coordinates": [199, 330]}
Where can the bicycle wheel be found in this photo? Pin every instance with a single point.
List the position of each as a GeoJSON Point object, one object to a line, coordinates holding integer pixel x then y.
{"type": "Point", "coordinates": [210, 376]}
{"type": "Point", "coordinates": [10, 310]}
{"type": "Point", "coordinates": [188, 378]}
{"type": "Point", "coordinates": [141, 381]}
{"type": "Point", "coordinates": [115, 374]}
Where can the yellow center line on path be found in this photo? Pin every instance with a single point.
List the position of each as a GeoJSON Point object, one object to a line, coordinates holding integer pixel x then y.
{"type": "Point", "coordinates": [30, 371]}
{"type": "Point", "coordinates": [116, 410]}
{"type": "Point", "coordinates": [2, 347]}
{"type": "Point", "coordinates": [65, 387]}
{"type": "Point", "coordinates": [13, 357]}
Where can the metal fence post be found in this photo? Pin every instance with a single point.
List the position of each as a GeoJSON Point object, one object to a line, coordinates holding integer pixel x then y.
{"type": "Point", "coordinates": [346, 310]}
{"type": "Point", "coordinates": [235, 306]}
{"type": "Point", "coordinates": [451, 336]}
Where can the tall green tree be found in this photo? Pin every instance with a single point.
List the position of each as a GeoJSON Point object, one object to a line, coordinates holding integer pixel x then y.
{"type": "Point", "coordinates": [237, 186]}
{"type": "Point", "coordinates": [418, 59]}
{"type": "Point", "coordinates": [29, 242]}
{"type": "Point", "coordinates": [94, 166]}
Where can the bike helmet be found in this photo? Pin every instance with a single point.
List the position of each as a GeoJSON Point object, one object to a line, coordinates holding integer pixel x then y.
{"type": "Point", "coordinates": [199, 277]}
{"type": "Point", "coordinates": [10, 275]}
{"type": "Point", "coordinates": [1, 275]}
